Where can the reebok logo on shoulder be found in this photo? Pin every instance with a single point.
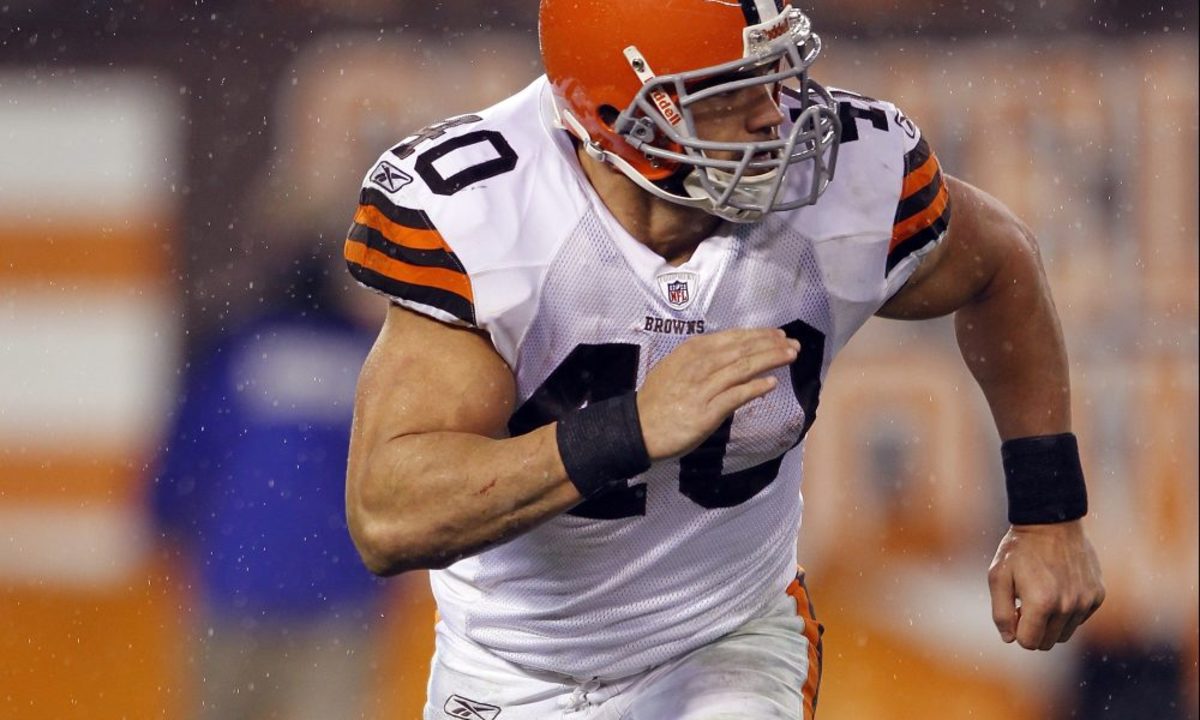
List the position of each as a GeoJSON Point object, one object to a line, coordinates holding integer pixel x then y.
{"type": "Point", "coordinates": [465, 709]}
{"type": "Point", "coordinates": [389, 177]}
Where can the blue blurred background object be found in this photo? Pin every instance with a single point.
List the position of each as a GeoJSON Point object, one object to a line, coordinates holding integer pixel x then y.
{"type": "Point", "coordinates": [248, 490]}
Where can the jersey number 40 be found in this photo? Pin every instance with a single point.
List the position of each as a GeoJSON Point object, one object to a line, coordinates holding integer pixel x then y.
{"type": "Point", "coordinates": [591, 373]}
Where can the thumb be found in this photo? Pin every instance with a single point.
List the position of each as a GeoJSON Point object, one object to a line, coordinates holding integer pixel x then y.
{"type": "Point", "coordinates": [1004, 602]}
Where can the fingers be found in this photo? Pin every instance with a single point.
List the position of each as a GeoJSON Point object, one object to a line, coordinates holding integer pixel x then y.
{"type": "Point", "coordinates": [1034, 622]}
{"type": "Point", "coordinates": [728, 372]}
{"type": "Point", "coordinates": [725, 403]}
{"type": "Point", "coordinates": [717, 351]}
{"type": "Point", "coordinates": [1004, 602]}
{"type": "Point", "coordinates": [1080, 618]}
{"type": "Point", "coordinates": [1045, 582]}
{"type": "Point", "coordinates": [1044, 623]}
{"type": "Point", "coordinates": [750, 365]}
{"type": "Point", "coordinates": [1039, 627]}
{"type": "Point", "coordinates": [691, 391]}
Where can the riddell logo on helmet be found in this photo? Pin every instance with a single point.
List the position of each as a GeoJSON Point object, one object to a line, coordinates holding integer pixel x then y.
{"type": "Point", "coordinates": [780, 27]}
{"type": "Point", "coordinates": [666, 106]}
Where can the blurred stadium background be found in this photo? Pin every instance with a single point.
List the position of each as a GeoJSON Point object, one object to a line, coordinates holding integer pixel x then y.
{"type": "Point", "coordinates": [158, 158]}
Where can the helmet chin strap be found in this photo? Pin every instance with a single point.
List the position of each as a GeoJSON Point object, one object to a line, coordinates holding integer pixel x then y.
{"type": "Point", "coordinates": [754, 190]}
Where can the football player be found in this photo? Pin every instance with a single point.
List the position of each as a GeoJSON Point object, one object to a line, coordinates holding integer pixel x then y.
{"type": "Point", "coordinates": [614, 298]}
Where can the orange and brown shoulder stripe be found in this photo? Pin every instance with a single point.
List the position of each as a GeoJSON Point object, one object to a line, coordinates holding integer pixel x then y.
{"type": "Point", "coordinates": [923, 213]}
{"type": "Point", "coordinates": [399, 252]}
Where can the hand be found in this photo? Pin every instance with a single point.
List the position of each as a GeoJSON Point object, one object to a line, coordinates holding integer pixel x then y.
{"type": "Point", "coordinates": [1053, 571]}
{"type": "Point", "coordinates": [690, 392]}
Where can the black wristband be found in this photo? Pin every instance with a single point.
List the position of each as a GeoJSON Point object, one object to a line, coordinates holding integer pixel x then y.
{"type": "Point", "coordinates": [1044, 479]}
{"type": "Point", "coordinates": [602, 445]}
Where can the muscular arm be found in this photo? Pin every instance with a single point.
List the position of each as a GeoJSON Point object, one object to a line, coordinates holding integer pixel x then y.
{"type": "Point", "coordinates": [988, 272]}
{"type": "Point", "coordinates": [431, 477]}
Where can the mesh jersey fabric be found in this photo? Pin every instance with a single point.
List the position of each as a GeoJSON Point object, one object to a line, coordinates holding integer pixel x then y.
{"type": "Point", "coordinates": [696, 546]}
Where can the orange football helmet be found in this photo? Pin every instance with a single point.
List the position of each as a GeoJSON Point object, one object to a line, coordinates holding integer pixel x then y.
{"type": "Point", "coordinates": [626, 74]}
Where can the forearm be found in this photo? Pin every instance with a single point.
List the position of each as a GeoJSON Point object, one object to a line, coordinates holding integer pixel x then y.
{"type": "Point", "coordinates": [1010, 337]}
{"type": "Point", "coordinates": [986, 270]}
{"type": "Point", "coordinates": [429, 499]}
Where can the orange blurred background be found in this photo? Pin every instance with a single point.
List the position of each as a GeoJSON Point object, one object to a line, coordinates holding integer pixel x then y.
{"type": "Point", "coordinates": [138, 147]}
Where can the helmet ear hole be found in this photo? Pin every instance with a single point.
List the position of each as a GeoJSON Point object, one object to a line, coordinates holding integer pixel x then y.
{"type": "Point", "coordinates": [608, 115]}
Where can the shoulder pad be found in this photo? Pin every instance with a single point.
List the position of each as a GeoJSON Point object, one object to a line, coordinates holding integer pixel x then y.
{"type": "Point", "coordinates": [459, 220]}
{"type": "Point", "coordinates": [922, 203]}
{"type": "Point", "coordinates": [396, 243]}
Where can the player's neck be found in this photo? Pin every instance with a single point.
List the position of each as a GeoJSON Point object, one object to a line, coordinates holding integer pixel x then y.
{"type": "Point", "coordinates": [670, 230]}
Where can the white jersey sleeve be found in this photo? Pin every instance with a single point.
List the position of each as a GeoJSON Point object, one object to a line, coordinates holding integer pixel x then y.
{"type": "Point", "coordinates": [923, 206]}
{"type": "Point", "coordinates": [452, 221]}
{"type": "Point", "coordinates": [885, 150]}
{"type": "Point", "coordinates": [885, 209]}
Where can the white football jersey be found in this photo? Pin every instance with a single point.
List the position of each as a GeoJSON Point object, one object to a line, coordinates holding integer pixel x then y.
{"type": "Point", "coordinates": [488, 221]}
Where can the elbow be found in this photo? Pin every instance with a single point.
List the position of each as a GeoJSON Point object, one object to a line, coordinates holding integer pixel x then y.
{"type": "Point", "coordinates": [397, 528]}
{"type": "Point", "coordinates": [373, 550]}
{"type": "Point", "coordinates": [396, 546]}
{"type": "Point", "coordinates": [387, 535]}
{"type": "Point", "coordinates": [383, 548]}
{"type": "Point", "coordinates": [379, 560]}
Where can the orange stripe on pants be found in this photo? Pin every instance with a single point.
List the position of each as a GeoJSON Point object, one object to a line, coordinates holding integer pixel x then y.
{"type": "Point", "coordinates": [813, 631]}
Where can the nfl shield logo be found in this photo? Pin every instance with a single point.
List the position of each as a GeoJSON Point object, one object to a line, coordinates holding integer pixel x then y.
{"type": "Point", "coordinates": [679, 287]}
{"type": "Point", "coordinates": [677, 293]}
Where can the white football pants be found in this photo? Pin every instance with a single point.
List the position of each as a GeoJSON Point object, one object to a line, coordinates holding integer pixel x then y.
{"type": "Point", "coordinates": [768, 669]}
